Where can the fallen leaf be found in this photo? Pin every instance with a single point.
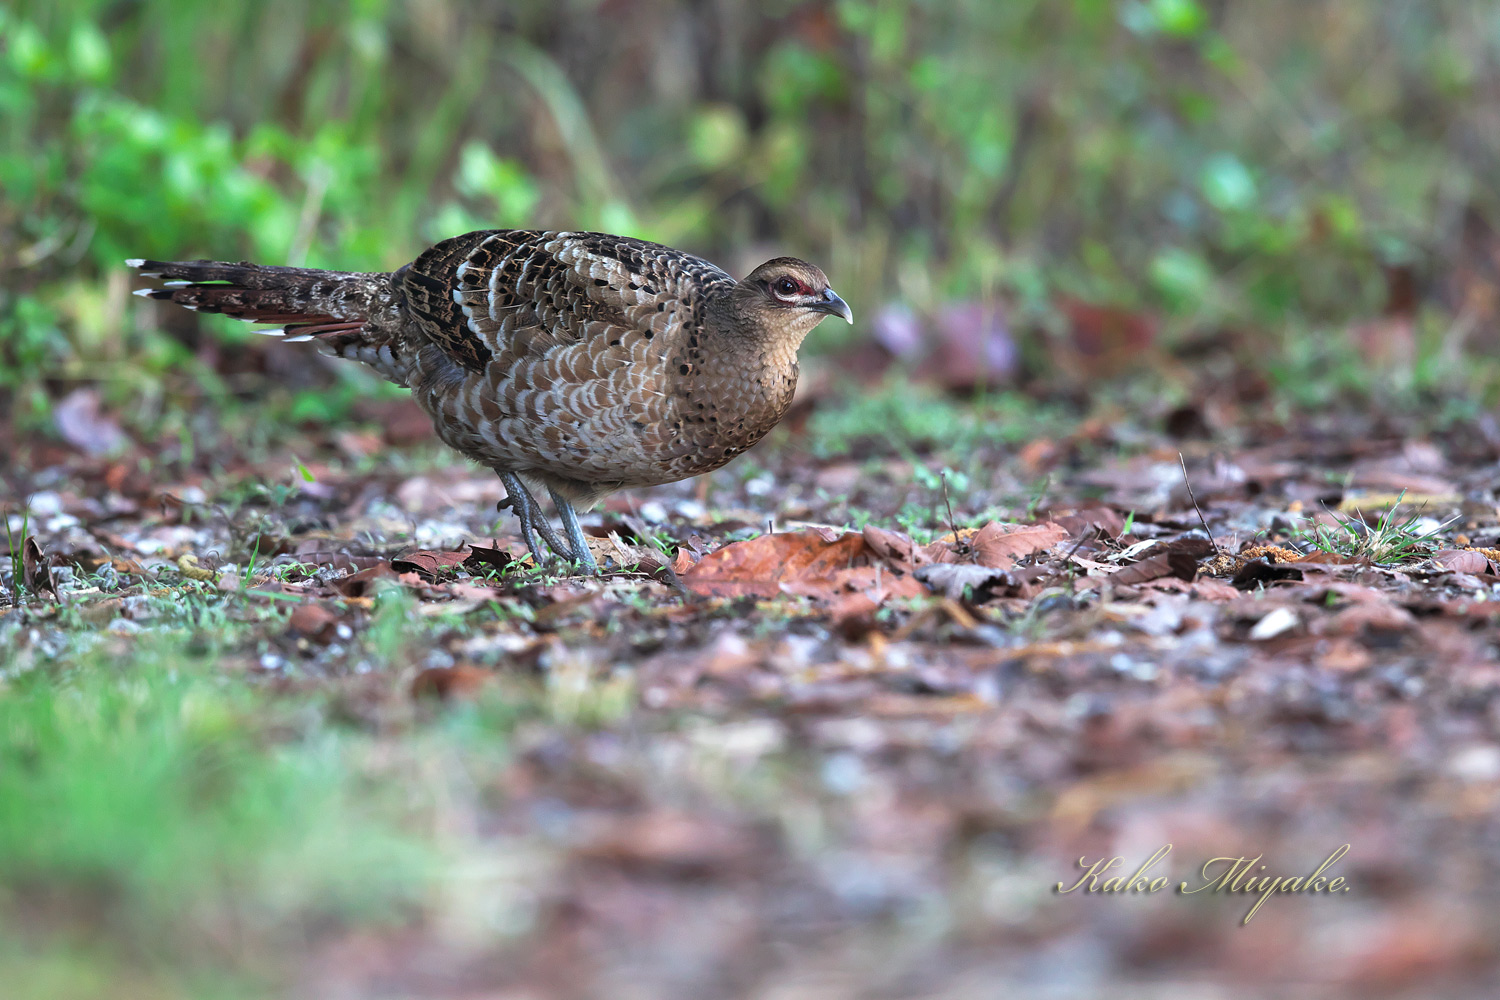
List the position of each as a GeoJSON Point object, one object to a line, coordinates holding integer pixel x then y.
{"type": "Point", "coordinates": [187, 565]}
{"type": "Point", "coordinates": [672, 844]}
{"type": "Point", "coordinates": [952, 580]}
{"type": "Point", "coordinates": [893, 546]}
{"type": "Point", "coordinates": [35, 570]}
{"type": "Point", "coordinates": [1102, 340]}
{"type": "Point", "coordinates": [876, 582]}
{"type": "Point", "coordinates": [997, 545]}
{"type": "Point", "coordinates": [757, 567]}
{"type": "Point", "coordinates": [1000, 545]}
{"type": "Point", "coordinates": [428, 565]}
{"type": "Point", "coordinates": [313, 621]}
{"type": "Point", "coordinates": [1463, 561]}
{"type": "Point", "coordinates": [78, 419]}
{"type": "Point", "coordinates": [1370, 617]}
{"type": "Point", "coordinates": [460, 681]}
{"type": "Point", "coordinates": [643, 558]}
{"type": "Point", "coordinates": [1105, 520]}
{"type": "Point", "coordinates": [683, 561]}
{"type": "Point", "coordinates": [1259, 571]}
{"type": "Point", "coordinates": [481, 558]}
{"type": "Point", "coordinates": [361, 584]}
{"type": "Point", "coordinates": [1182, 565]}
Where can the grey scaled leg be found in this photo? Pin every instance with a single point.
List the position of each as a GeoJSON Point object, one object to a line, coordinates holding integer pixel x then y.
{"type": "Point", "coordinates": [533, 522]}
{"type": "Point", "coordinates": [518, 499]}
{"type": "Point", "coordinates": [581, 552]}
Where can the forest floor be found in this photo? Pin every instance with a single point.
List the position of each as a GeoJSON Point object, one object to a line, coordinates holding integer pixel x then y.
{"type": "Point", "coordinates": [300, 720]}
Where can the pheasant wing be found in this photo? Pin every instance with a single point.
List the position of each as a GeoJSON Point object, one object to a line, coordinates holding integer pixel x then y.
{"type": "Point", "coordinates": [567, 338]}
{"type": "Point", "coordinates": [521, 293]}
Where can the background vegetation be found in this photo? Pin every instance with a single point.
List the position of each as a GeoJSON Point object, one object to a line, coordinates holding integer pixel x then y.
{"type": "Point", "coordinates": [1277, 171]}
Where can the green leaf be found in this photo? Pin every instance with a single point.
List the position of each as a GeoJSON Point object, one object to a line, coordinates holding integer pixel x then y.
{"type": "Point", "coordinates": [1179, 18]}
{"type": "Point", "coordinates": [88, 52]}
{"type": "Point", "coordinates": [718, 136]}
{"type": "Point", "coordinates": [1227, 183]}
{"type": "Point", "coordinates": [1181, 276]}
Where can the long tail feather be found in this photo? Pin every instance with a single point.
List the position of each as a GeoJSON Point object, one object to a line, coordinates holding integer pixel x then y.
{"type": "Point", "coordinates": [351, 314]}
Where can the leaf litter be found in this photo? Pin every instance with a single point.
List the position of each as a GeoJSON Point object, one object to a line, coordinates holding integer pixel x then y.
{"type": "Point", "coordinates": [767, 746]}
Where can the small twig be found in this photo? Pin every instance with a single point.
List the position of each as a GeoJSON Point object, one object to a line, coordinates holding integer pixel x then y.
{"type": "Point", "coordinates": [952, 525]}
{"type": "Point", "coordinates": [1201, 520]}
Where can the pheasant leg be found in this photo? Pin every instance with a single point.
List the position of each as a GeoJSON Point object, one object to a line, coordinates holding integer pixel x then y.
{"type": "Point", "coordinates": [518, 499]}
{"type": "Point", "coordinates": [534, 522]}
{"type": "Point", "coordinates": [581, 552]}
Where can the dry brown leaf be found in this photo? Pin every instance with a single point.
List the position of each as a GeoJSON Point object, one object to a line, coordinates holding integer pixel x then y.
{"type": "Point", "coordinates": [1000, 546]}
{"type": "Point", "coordinates": [893, 546]}
{"type": "Point", "coordinates": [997, 545]}
{"type": "Point", "coordinates": [672, 844]}
{"type": "Point", "coordinates": [758, 567]}
{"type": "Point", "coordinates": [460, 681]}
{"type": "Point", "coordinates": [1106, 520]}
{"type": "Point", "coordinates": [1370, 616]}
{"type": "Point", "coordinates": [429, 565]}
{"type": "Point", "coordinates": [1463, 561]}
{"type": "Point", "coordinates": [1259, 572]}
{"type": "Point", "coordinates": [1181, 565]}
{"type": "Point", "coordinates": [362, 584]}
{"type": "Point", "coordinates": [952, 580]}
{"type": "Point", "coordinates": [35, 569]}
{"type": "Point", "coordinates": [483, 558]}
{"type": "Point", "coordinates": [313, 621]}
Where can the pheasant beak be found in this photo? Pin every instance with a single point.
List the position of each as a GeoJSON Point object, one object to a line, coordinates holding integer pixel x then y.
{"type": "Point", "coordinates": [831, 304]}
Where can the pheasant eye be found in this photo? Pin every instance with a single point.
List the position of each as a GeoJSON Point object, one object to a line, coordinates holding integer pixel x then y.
{"type": "Point", "coordinates": [786, 287]}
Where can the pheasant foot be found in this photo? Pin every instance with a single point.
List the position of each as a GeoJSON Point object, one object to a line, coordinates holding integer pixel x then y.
{"type": "Point", "coordinates": [534, 523]}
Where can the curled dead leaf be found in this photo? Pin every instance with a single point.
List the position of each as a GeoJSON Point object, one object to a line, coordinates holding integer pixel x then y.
{"type": "Point", "coordinates": [893, 546]}
{"type": "Point", "coordinates": [362, 584]}
{"type": "Point", "coordinates": [1104, 520]}
{"type": "Point", "coordinates": [960, 581]}
{"type": "Point", "coordinates": [1181, 565]}
{"type": "Point", "coordinates": [429, 565]}
{"type": "Point", "coordinates": [481, 558]}
{"type": "Point", "coordinates": [36, 571]}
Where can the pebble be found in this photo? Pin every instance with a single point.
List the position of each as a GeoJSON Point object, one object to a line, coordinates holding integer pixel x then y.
{"type": "Point", "coordinates": [1273, 624]}
{"type": "Point", "coordinates": [1476, 763]}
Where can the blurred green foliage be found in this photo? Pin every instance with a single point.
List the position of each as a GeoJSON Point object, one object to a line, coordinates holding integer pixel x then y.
{"type": "Point", "coordinates": [143, 795]}
{"type": "Point", "coordinates": [1260, 166]}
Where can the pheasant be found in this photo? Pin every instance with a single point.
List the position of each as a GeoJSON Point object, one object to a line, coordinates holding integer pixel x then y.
{"type": "Point", "coordinates": [579, 362]}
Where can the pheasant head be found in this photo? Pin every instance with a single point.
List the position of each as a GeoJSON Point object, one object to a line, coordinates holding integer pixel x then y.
{"type": "Point", "coordinates": [781, 301]}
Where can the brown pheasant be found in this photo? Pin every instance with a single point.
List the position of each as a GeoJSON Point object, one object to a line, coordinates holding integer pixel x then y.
{"type": "Point", "coordinates": [581, 362]}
